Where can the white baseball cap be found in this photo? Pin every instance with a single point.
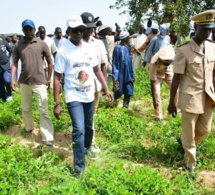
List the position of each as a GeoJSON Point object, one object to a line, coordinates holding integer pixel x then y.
{"type": "Point", "coordinates": [75, 21]}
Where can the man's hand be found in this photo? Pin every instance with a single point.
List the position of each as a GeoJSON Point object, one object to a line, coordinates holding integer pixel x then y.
{"type": "Point", "coordinates": [48, 85]}
{"type": "Point", "coordinates": [13, 85]}
{"type": "Point", "coordinates": [110, 96]}
{"type": "Point", "coordinates": [57, 111]}
{"type": "Point", "coordinates": [144, 64]}
{"type": "Point", "coordinates": [138, 53]}
{"type": "Point", "coordinates": [172, 110]}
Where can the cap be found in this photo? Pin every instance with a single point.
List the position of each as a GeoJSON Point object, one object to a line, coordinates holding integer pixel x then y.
{"type": "Point", "coordinates": [96, 19]}
{"type": "Point", "coordinates": [123, 35]}
{"type": "Point", "coordinates": [28, 22]}
{"type": "Point", "coordinates": [99, 23]}
{"type": "Point", "coordinates": [88, 19]}
{"type": "Point", "coordinates": [165, 26]}
{"type": "Point", "coordinates": [154, 26]}
{"type": "Point", "coordinates": [205, 19]}
{"type": "Point", "coordinates": [102, 27]}
{"type": "Point", "coordinates": [74, 21]}
{"type": "Point", "coordinates": [166, 52]}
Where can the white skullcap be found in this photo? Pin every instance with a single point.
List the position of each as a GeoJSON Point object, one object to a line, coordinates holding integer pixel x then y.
{"type": "Point", "coordinates": [123, 34]}
{"type": "Point", "coordinates": [154, 26]}
{"type": "Point", "coordinates": [165, 26]}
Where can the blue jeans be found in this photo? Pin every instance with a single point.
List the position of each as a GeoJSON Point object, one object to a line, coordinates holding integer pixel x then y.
{"type": "Point", "coordinates": [5, 87]}
{"type": "Point", "coordinates": [82, 122]}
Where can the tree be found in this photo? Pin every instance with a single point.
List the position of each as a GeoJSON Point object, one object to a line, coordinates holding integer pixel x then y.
{"type": "Point", "coordinates": [177, 12]}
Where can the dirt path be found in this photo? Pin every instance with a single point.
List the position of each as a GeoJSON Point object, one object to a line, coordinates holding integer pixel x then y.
{"type": "Point", "coordinates": [62, 147]}
{"type": "Point", "coordinates": [62, 143]}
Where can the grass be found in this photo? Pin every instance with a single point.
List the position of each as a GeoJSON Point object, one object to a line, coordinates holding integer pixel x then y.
{"type": "Point", "coordinates": [139, 156]}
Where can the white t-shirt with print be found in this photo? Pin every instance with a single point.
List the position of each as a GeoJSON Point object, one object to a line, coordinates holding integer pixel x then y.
{"type": "Point", "coordinates": [77, 65]}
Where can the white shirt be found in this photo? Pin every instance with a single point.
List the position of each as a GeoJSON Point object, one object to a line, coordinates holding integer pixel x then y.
{"type": "Point", "coordinates": [101, 55]}
{"type": "Point", "coordinates": [77, 65]}
{"type": "Point", "coordinates": [59, 42]}
{"type": "Point", "coordinates": [52, 48]}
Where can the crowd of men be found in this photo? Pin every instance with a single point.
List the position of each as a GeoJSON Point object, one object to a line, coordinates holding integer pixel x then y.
{"type": "Point", "coordinates": [91, 55]}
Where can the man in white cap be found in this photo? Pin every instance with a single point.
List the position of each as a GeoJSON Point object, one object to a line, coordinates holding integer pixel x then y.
{"type": "Point", "coordinates": [160, 70]}
{"type": "Point", "coordinates": [76, 59]}
{"type": "Point", "coordinates": [194, 76]}
{"type": "Point", "coordinates": [123, 71]}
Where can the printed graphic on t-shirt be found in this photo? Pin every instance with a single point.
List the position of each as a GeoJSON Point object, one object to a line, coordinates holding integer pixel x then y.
{"type": "Point", "coordinates": [82, 75]}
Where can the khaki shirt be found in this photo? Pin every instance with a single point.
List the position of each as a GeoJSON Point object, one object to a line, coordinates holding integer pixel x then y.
{"type": "Point", "coordinates": [196, 69]}
{"type": "Point", "coordinates": [159, 71]}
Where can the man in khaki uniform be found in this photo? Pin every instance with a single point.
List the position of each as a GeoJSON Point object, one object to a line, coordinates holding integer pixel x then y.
{"type": "Point", "coordinates": [194, 75]}
{"type": "Point", "coordinates": [160, 70]}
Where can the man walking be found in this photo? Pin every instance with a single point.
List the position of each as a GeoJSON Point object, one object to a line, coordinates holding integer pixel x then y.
{"type": "Point", "coordinates": [194, 76]}
{"type": "Point", "coordinates": [52, 49]}
{"type": "Point", "coordinates": [58, 39]}
{"type": "Point", "coordinates": [32, 79]}
{"type": "Point", "coordinates": [77, 60]}
{"type": "Point", "coordinates": [101, 54]}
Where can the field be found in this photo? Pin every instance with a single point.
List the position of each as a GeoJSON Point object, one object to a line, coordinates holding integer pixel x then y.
{"type": "Point", "coordinates": [139, 155]}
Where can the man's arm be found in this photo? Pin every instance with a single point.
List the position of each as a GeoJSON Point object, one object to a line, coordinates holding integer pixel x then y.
{"type": "Point", "coordinates": [174, 87]}
{"type": "Point", "coordinates": [13, 73]}
{"type": "Point", "coordinates": [153, 93]}
{"type": "Point", "coordinates": [50, 67]}
{"type": "Point", "coordinates": [57, 107]}
{"type": "Point", "coordinates": [214, 78]}
{"type": "Point", "coordinates": [101, 78]}
{"type": "Point", "coordinates": [104, 70]}
{"type": "Point", "coordinates": [53, 49]}
{"type": "Point", "coordinates": [144, 45]}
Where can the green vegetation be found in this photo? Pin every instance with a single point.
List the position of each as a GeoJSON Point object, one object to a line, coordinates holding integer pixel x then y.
{"type": "Point", "coordinates": [139, 155]}
{"type": "Point", "coordinates": [176, 12]}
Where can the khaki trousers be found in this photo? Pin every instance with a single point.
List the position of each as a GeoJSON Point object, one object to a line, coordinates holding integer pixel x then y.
{"type": "Point", "coordinates": [40, 92]}
{"type": "Point", "coordinates": [158, 110]}
{"type": "Point", "coordinates": [96, 104]}
{"type": "Point", "coordinates": [195, 127]}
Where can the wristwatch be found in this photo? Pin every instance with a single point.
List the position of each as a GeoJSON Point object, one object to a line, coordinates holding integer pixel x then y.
{"type": "Point", "coordinates": [56, 104]}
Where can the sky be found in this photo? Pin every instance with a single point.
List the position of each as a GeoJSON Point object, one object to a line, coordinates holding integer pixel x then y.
{"type": "Point", "coordinates": [53, 13]}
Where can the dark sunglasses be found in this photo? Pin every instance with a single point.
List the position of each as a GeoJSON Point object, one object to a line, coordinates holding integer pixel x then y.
{"type": "Point", "coordinates": [28, 28]}
{"type": "Point", "coordinates": [76, 30]}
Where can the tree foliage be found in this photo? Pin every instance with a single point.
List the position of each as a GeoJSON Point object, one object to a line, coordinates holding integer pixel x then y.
{"type": "Point", "coordinates": [177, 12]}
